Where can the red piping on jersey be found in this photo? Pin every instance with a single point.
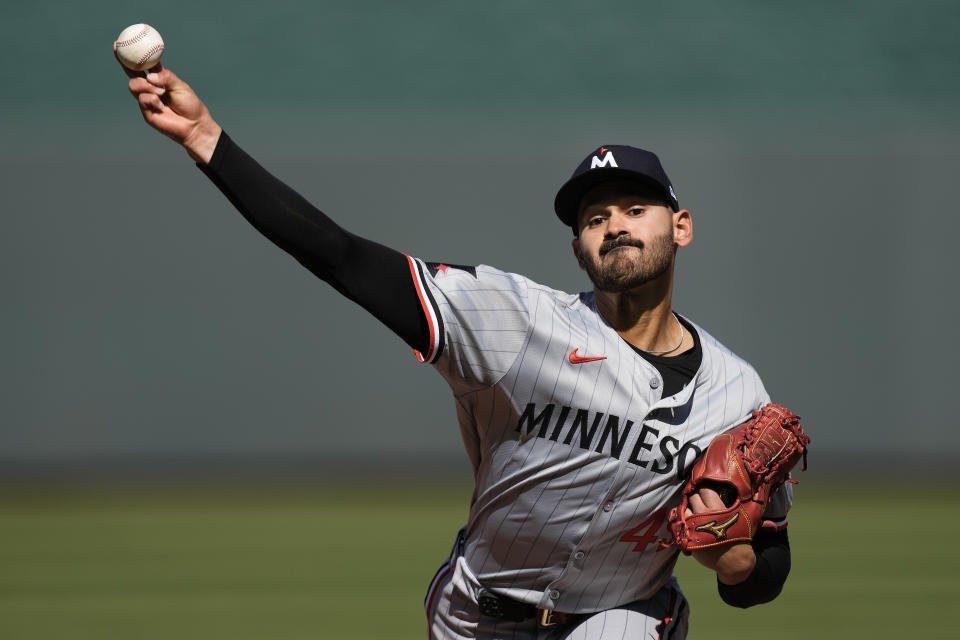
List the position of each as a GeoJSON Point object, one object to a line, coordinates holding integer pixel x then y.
{"type": "Point", "coordinates": [426, 311]}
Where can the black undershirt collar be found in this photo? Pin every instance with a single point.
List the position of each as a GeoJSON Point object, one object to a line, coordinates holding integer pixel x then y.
{"type": "Point", "coordinates": [678, 370]}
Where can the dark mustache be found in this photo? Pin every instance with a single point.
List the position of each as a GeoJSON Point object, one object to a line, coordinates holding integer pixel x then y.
{"type": "Point", "coordinates": [619, 241]}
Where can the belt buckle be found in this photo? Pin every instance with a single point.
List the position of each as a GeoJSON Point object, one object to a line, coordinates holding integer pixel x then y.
{"type": "Point", "coordinates": [547, 618]}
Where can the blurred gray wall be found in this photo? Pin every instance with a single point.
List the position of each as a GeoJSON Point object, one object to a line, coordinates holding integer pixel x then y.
{"type": "Point", "coordinates": [143, 320]}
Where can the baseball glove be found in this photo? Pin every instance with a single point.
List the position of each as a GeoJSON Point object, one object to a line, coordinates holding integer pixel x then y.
{"type": "Point", "coordinates": [744, 465]}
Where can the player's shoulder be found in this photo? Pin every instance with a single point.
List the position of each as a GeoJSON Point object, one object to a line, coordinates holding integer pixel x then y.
{"type": "Point", "coordinates": [527, 283]}
{"type": "Point", "coordinates": [486, 277]}
{"type": "Point", "coordinates": [720, 361]}
{"type": "Point", "coordinates": [534, 290]}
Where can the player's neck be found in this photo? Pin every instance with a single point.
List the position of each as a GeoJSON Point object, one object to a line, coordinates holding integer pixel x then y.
{"type": "Point", "coordinates": [643, 316]}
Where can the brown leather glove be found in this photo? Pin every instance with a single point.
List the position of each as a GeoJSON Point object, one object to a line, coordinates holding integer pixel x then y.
{"type": "Point", "coordinates": [744, 465]}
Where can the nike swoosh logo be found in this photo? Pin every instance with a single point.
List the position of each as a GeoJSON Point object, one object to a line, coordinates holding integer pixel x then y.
{"type": "Point", "coordinates": [575, 359]}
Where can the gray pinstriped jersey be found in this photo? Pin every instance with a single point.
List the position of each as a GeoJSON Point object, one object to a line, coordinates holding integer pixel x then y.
{"type": "Point", "coordinates": [576, 462]}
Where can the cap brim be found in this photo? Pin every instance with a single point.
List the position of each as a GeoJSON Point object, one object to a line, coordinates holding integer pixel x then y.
{"type": "Point", "coordinates": [567, 203]}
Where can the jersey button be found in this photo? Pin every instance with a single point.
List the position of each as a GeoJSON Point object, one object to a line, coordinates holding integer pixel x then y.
{"type": "Point", "coordinates": [579, 555]}
{"type": "Point", "coordinates": [554, 594]}
{"type": "Point", "coordinates": [654, 383]}
{"type": "Point", "coordinates": [608, 506]}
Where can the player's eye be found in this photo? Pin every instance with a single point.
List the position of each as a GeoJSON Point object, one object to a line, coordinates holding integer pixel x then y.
{"type": "Point", "coordinates": [594, 221]}
{"type": "Point", "coordinates": [636, 211]}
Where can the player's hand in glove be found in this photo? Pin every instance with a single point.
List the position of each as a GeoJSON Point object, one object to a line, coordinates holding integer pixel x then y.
{"type": "Point", "coordinates": [170, 106]}
{"type": "Point", "coordinates": [729, 488]}
{"type": "Point", "coordinates": [733, 562]}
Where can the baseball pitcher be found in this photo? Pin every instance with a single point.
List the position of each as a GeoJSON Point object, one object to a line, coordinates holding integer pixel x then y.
{"type": "Point", "coordinates": [582, 414]}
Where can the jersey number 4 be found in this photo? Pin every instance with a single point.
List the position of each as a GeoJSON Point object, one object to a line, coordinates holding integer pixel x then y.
{"type": "Point", "coordinates": [646, 533]}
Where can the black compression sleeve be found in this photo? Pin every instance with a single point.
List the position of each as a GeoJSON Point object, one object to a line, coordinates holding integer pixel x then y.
{"type": "Point", "coordinates": [374, 276]}
{"type": "Point", "coordinates": [768, 577]}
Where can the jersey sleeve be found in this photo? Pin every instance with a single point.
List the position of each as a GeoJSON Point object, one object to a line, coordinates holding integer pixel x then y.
{"type": "Point", "coordinates": [478, 319]}
{"type": "Point", "coordinates": [775, 515]}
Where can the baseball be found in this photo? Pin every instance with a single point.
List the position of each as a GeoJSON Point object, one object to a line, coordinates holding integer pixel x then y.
{"type": "Point", "coordinates": [139, 47]}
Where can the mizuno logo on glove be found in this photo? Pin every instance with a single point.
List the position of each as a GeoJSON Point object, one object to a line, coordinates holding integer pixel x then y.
{"type": "Point", "coordinates": [718, 530]}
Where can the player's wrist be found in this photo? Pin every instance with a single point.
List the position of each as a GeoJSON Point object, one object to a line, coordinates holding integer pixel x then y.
{"type": "Point", "coordinates": [732, 563]}
{"type": "Point", "coordinates": [736, 564]}
{"type": "Point", "coordinates": [201, 143]}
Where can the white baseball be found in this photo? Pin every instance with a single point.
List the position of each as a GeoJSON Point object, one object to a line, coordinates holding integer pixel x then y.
{"type": "Point", "coordinates": [139, 47]}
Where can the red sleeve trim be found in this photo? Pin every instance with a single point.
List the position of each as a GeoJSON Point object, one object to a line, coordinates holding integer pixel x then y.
{"type": "Point", "coordinates": [430, 312]}
{"type": "Point", "coordinates": [774, 525]}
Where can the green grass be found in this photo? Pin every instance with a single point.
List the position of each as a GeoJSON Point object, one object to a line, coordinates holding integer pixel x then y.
{"type": "Point", "coordinates": [868, 562]}
{"type": "Point", "coordinates": [316, 563]}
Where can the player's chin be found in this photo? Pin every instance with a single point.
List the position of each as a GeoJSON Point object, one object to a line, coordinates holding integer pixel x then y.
{"type": "Point", "coordinates": [623, 266]}
{"type": "Point", "coordinates": [613, 282]}
{"type": "Point", "coordinates": [616, 274]}
{"type": "Point", "coordinates": [619, 263]}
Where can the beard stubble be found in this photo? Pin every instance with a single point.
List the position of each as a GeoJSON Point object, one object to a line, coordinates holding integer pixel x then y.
{"type": "Point", "coordinates": [630, 269]}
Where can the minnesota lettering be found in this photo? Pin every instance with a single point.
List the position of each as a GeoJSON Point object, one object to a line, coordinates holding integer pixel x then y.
{"type": "Point", "coordinates": [607, 433]}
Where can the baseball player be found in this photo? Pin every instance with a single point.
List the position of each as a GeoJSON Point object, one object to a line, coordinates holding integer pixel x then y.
{"type": "Point", "coordinates": [581, 413]}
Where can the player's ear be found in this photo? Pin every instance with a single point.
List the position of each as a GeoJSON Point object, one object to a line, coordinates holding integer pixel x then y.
{"type": "Point", "coordinates": [575, 243]}
{"type": "Point", "coordinates": [682, 228]}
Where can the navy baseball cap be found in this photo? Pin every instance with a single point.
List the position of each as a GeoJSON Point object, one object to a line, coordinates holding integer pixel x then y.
{"type": "Point", "coordinates": [611, 162]}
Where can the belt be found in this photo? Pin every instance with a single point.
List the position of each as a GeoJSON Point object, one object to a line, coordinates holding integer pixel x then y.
{"type": "Point", "coordinates": [504, 608]}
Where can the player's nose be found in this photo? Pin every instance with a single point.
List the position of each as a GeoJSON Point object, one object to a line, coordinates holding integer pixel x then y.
{"type": "Point", "coordinates": [616, 226]}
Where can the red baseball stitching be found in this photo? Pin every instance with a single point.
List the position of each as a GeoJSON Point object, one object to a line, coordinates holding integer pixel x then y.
{"type": "Point", "coordinates": [152, 50]}
{"type": "Point", "coordinates": [135, 39]}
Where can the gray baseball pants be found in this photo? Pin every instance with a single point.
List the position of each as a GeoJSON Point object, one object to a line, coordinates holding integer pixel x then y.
{"type": "Point", "coordinates": [453, 614]}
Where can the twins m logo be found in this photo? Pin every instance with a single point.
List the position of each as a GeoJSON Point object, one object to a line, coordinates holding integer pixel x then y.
{"type": "Point", "coordinates": [606, 161]}
{"type": "Point", "coordinates": [719, 531]}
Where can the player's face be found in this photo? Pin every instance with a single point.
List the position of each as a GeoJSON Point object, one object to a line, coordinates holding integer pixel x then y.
{"type": "Point", "coordinates": [627, 236]}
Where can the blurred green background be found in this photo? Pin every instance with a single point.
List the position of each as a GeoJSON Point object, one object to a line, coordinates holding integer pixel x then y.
{"type": "Point", "coordinates": [194, 427]}
{"type": "Point", "coordinates": [354, 562]}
